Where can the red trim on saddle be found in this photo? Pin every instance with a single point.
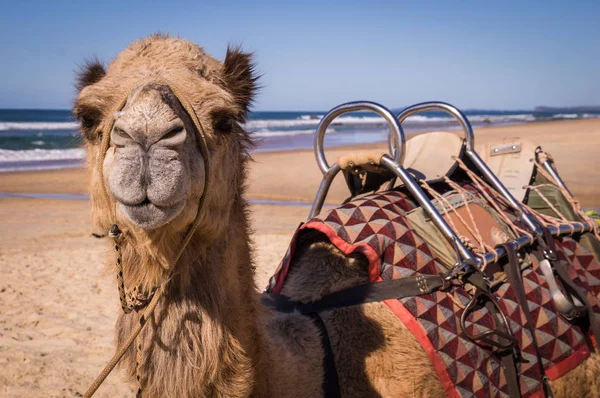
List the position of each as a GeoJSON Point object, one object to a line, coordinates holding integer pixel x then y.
{"type": "Point", "coordinates": [562, 368]}
{"type": "Point", "coordinates": [284, 266]}
{"type": "Point", "coordinates": [348, 248]}
{"type": "Point", "coordinates": [417, 330]}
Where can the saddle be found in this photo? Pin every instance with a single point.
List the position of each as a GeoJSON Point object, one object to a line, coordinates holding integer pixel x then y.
{"type": "Point", "coordinates": [489, 263]}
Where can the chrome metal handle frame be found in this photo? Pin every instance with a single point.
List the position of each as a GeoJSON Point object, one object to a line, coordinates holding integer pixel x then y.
{"type": "Point", "coordinates": [548, 165]}
{"type": "Point", "coordinates": [469, 138]}
{"type": "Point", "coordinates": [394, 164]}
{"type": "Point", "coordinates": [329, 172]}
{"type": "Point", "coordinates": [438, 106]}
{"type": "Point", "coordinates": [396, 133]}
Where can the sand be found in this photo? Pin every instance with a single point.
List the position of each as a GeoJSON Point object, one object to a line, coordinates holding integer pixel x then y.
{"type": "Point", "coordinates": [58, 308]}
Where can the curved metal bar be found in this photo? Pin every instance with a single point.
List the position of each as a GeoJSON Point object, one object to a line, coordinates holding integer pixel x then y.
{"type": "Point", "coordinates": [438, 106]}
{"type": "Point", "coordinates": [323, 190]}
{"type": "Point", "coordinates": [554, 174]}
{"type": "Point", "coordinates": [329, 172]}
{"type": "Point", "coordinates": [395, 129]}
{"type": "Point", "coordinates": [470, 152]}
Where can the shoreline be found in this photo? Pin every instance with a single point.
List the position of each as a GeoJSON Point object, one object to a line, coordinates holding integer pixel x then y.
{"type": "Point", "coordinates": [292, 175]}
{"type": "Point", "coordinates": [264, 145]}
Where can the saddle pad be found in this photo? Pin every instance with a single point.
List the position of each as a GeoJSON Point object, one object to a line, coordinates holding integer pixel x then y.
{"type": "Point", "coordinates": [472, 217]}
{"type": "Point", "coordinates": [375, 226]}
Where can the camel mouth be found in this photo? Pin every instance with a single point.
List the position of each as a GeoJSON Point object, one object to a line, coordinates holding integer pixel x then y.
{"type": "Point", "coordinates": [148, 215]}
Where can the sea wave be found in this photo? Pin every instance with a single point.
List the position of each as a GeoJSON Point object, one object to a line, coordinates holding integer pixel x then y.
{"type": "Point", "coordinates": [38, 126]}
{"type": "Point", "coordinates": [286, 133]}
{"type": "Point", "coordinates": [9, 156]}
{"type": "Point", "coordinates": [525, 117]}
{"type": "Point", "coordinates": [279, 123]}
{"type": "Point", "coordinates": [312, 121]}
{"type": "Point", "coordinates": [566, 116]}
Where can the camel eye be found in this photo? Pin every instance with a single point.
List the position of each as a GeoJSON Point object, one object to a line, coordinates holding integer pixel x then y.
{"type": "Point", "coordinates": [87, 123]}
{"type": "Point", "coordinates": [89, 118]}
{"type": "Point", "coordinates": [224, 125]}
{"type": "Point", "coordinates": [88, 128]}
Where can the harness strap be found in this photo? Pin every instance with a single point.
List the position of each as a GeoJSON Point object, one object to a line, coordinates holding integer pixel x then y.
{"type": "Point", "coordinates": [509, 365]}
{"type": "Point", "coordinates": [504, 339]}
{"type": "Point", "coordinates": [360, 294]}
{"type": "Point", "coordinates": [513, 273]}
{"type": "Point", "coordinates": [331, 384]}
{"type": "Point", "coordinates": [588, 321]}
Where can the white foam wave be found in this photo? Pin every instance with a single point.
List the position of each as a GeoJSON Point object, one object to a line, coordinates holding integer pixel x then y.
{"type": "Point", "coordinates": [7, 155]}
{"type": "Point", "coordinates": [311, 117]}
{"type": "Point", "coordinates": [278, 123]}
{"type": "Point", "coordinates": [286, 133]}
{"type": "Point", "coordinates": [526, 117]}
{"type": "Point", "coordinates": [38, 126]}
{"type": "Point", "coordinates": [566, 116]}
{"type": "Point", "coordinates": [310, 121]}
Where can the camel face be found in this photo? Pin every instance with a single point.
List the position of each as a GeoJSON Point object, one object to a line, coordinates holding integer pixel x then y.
{"type": "Point", "coordinates": [148, 172]}
{"type": "Point", "coordinates": [154, 169]}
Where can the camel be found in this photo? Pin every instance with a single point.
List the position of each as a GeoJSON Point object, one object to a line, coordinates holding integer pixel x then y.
{"type": "Point", "coordinates": [210, 335]}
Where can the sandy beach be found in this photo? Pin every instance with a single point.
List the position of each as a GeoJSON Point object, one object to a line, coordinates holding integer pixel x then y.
{"type": "Point", "coordinates": [58, 307]}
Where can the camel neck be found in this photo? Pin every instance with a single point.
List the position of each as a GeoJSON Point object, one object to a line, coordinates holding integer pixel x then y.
{"type": "Point", "coordinates": [209, 315]}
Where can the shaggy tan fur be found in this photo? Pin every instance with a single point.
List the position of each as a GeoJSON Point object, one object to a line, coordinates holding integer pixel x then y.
{"type": "Point", "coordinates": [358, 158]}
{"type": "Point", "coordinates": [210, 336]}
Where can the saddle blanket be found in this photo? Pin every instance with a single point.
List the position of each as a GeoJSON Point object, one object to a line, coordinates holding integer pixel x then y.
{"type": "Point", "coordinates": [375, 226]}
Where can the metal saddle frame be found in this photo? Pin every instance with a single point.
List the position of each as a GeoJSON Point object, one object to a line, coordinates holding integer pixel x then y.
{"type": "Point", "coordinates": [569, 304]}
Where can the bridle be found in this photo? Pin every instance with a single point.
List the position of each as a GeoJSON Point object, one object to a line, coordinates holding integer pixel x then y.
{"type": "Point", "coordinates": [106, 127]}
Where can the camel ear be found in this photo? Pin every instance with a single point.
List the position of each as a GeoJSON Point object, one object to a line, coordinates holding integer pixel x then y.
{"type": "Point", "coordinates": [92, 71]}
{"type": "Point", "coordinates": [240, 77]}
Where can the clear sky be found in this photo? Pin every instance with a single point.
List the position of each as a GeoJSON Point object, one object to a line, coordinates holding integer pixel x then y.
{"type": "Point", "coordinates": [316, 54]}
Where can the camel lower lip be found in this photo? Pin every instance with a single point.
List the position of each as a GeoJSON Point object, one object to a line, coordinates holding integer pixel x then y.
{"type": "Point", "coordinates": [147, 215]}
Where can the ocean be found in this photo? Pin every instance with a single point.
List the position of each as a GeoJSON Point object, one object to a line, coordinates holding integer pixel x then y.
{"type": "Point", "coordinates": [50, 139]}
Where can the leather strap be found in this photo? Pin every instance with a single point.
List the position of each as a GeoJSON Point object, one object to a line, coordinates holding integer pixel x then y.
{"type": "Point", "coordinates": [584, 316]}
{"type": "Point", "coordinates": [331, 384]}
{"type": "Point", "coordinates": [509, 354]}
{"type": "Point", "coordinates": [513, 273]}
{"type": "Point", "coordinates": [511, 372]}
{"type": "Point", "coordinates": [360, 294]}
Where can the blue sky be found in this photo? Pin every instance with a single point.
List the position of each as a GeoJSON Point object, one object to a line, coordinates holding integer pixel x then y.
{"type": "Point", "coordinates": [316, 54]}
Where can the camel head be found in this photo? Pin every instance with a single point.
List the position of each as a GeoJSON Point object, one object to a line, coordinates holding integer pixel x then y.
{"type": "Point", "coordinates": [148, 161]}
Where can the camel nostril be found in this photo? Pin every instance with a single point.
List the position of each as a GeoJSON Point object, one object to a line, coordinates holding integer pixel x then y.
{"type": "Point", "coordinates": [174, 137]}
{"type": "Point", "coordinates": [121, 138]}
{"type": "Point", "coordinates": [172, 133]}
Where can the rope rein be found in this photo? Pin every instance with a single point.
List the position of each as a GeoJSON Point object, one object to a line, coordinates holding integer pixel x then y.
{"type": "Point", "coordinates": [481, 248]}
{"type": "Point", "coordinates": [117, 236]}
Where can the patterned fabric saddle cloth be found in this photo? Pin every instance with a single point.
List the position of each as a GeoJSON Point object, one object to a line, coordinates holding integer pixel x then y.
{"type": "Point", "coordinates": [377, 226]}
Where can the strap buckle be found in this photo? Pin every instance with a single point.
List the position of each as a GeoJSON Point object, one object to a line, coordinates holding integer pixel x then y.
{"type": "Point", "coordinates": [549, 254]}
